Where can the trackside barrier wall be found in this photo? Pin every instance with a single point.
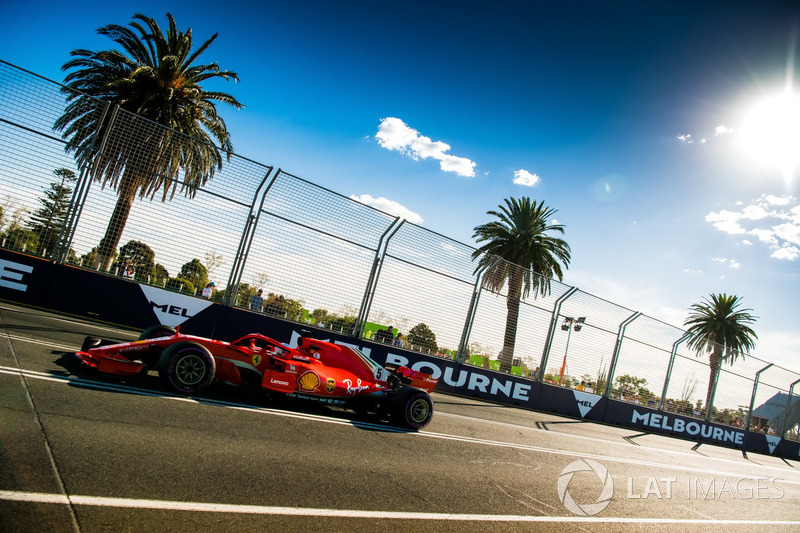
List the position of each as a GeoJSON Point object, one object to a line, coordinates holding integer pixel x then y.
{"type": "Point", "coordinates": [36, 282]}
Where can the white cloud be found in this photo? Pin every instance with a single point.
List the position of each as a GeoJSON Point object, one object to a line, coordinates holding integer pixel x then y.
{"type": "Point", "coordinates": [777, 200]}
{"type": "Point", "coordinates": [523, 177]}
{"type": "Point", "coordinates": [722, 129]}
{"type": "Point", "coordinates": [732, 263]}
{"type": "Point", "coordinates": [788, 232]}
{"type": "Point", "coordinates": [774, 220]}
{"type": "Point", "coordinates": [764, 235]}
{"type": "Point", "coordinates": [787, 252]}
{"type": "Point", "coordinates": [726, 221]}
{"type": "Point", "coordinates": [754, 212]}
{"type": "Point", "coordinates": [394, 134]}
{"type": "Point", "coordinates": [389, 206]}
{"type": "Point", "coordinates": [686, 137]}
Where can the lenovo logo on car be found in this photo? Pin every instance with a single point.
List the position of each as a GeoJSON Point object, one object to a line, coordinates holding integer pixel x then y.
{"type": "Point", "coordinates": [282, 383]}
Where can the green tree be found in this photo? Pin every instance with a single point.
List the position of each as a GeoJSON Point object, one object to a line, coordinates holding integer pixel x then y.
{"type": "Point", "coordinates": [11, 216]}
{"type": "Point", "coordinates": [180, 285]}
{"type": "Point", "coordinates": [718, 327]}
{"type": "Point", "coordinates": [47, 221]}
{"type": "Point", "coordinates": [279, 305]}
{"type": "Point", "coordinates": [161, 274]}
{"type": "Point", "coordinates": [320, 316]}
{"type": "Point", "coordinates": [422, 337]}
{"type": "Point", "coordinates": [243, 295]}
{"type": "Point", "coordinates": [345, 324]}
{"type": "Point", "coordinates": [154, 76]}
{"type": "Point", "coordinates": [519, 253]}
{"type": "Point", "coordinates": [21, 239]}
{"type": "Point", "coordinates": [142, 258]}
{"type": "Point", "coordinates": [195, 272]}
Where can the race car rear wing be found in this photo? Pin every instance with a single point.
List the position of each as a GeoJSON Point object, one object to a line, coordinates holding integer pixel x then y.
{"type": "Point", "coordinates": [414, 378]}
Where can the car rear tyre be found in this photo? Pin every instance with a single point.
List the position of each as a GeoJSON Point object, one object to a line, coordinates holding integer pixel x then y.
{"type": "Point", "coordinates": [186, 367]}
{"type": "Point", "coordinates": [157, 331]}
{"type": "Point", "coordinates": [411, 408]}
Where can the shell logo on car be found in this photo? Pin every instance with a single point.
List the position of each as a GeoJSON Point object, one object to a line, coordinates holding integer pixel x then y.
{"type": "Point", "coordinates": [308, 381]}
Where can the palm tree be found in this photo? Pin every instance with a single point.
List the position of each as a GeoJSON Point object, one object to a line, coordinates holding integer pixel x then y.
{"type": "Point", "coordinates": [719, 327]}
{"type": "Point", "coordinates": [153, 76]}
{"type": "Point", "coordinates": [520, 253]}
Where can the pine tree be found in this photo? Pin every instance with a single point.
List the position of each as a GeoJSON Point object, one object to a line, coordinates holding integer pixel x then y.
{"type": "Point", "coordinates": [47, 221]}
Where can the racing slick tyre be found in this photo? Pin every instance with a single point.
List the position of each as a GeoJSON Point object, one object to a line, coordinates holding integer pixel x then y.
{"type": "Point", "coordinates": [154, 332]}
{"type": "Point", "coordinates": [411, 408]}
{"type": "Point", "coordinates": [90, 342]}
{"type": "Point", "coordinates": [186, 367]}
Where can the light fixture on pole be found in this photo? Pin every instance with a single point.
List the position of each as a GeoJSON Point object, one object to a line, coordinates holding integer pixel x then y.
{"type": "Point", "coordinates": [569, 324]}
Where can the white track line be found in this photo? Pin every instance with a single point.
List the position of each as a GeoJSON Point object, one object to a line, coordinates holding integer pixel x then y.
{"type": "Point", "coordinates": [129, 503]}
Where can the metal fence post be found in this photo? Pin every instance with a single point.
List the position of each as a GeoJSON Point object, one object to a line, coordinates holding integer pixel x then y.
{"type": "Point", "coordinates": [461, 355]}
{"type": "Point", "coordinates": [669, 369]}
{"type": "Point", "coordinates": [248, 233]}
{"type": "Point", "coordinates": [784, 426]}
{"type": "Point", "coordinates": [612, 367]}
{"type": "Point", "coordinates": [372, 281]}
{"type": "Point", "coordinates": [548, 343]}
{"type": "Point", "coordinates": [752, 398]}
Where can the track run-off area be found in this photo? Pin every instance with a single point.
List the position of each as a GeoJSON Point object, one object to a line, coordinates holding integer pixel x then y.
{"type": "Point", "coordinates": [84, 452]}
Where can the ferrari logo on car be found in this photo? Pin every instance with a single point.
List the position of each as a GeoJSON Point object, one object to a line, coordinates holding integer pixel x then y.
{"type": "Point", "coordinates": [330, 385]}
{"type": "Point", "coordinates": [256, 360]}
{"type": "Point", "coordinates": [308, 381]}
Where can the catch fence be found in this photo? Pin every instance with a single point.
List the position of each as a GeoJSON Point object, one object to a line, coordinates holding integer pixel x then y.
{"type": "Point", "coordinates": [327, 260]}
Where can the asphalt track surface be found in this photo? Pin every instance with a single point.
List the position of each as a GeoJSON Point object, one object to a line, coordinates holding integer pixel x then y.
{"type": "Point", "coordinates": [79, 452]}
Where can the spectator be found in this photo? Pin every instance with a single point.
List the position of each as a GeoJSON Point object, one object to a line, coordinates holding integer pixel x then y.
{"type": "Point", "coordinates": [384, 335]}
{"type": "Point", "coordinates": [129, 270]}
{"type": "Point", "coordinates": [257, 301]}
{"type": "Point", "coordinates": [398, 341]}
{"type": "Point", "coordinates": [588, 388]}
{"type": "Point", "coordinates": [581, 386]}
{"type": "Point", "coordinates": [208, 291]}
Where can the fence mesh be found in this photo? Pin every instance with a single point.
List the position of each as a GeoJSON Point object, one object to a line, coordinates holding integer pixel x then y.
{"type": "Point", "coordinates": [322, 258]}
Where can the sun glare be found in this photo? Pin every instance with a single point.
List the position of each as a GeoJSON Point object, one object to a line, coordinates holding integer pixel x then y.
{"type": "Point", "coordinates": [771, 132]}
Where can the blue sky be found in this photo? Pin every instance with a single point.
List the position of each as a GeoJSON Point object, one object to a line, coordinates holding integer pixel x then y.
{"type": "Point", "coordinates": [626, 117]}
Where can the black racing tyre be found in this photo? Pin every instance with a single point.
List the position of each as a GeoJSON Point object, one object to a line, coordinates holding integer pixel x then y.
{"type": "Point", "coordinates": [186, 367]}
{"type": "Point", "coordinates": [154, 332]}
{"type": "Point", "coordinates": [411, 408]}
{"type": "Point", "coordinates": [89, 343]}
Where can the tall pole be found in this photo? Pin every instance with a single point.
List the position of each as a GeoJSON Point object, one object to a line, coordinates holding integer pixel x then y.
{"type": "Point", "coordinates": [564, 363]}
{"type": "Point", "coordinates": [569, 324]}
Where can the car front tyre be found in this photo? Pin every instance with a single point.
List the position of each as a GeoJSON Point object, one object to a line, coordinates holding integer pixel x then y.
{"type": "Point", "coordinates": [186, 367]}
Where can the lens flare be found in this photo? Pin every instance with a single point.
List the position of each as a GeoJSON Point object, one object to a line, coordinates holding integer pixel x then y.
{"type": "Point", "coordinates": [771, 132]}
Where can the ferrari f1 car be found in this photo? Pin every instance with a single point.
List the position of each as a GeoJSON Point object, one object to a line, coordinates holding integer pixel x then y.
{"type": "Point", "coordinates": [320, 371]}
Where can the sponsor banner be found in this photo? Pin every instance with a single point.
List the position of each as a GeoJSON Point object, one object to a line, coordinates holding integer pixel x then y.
{"type": "Point", "coordinates": [23, 278]}
{"type": "Point", "coordinates": [772, 445]}
{"type": "Point", "coordinates": [664, 422]}
{"type": "Point", "coordinates": [171, 308]}
{"type": "Point", "coordinates": [586, 402]}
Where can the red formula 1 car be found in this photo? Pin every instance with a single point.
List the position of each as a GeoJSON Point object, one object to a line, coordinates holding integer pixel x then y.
{"type": "Point", "coordinates": [320, 371]}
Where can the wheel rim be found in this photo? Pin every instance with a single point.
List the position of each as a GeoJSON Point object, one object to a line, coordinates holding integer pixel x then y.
{"type": "Point", "coordinates": [419, 411]}
{"type": "Point", "coordinates": [190, 369]}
